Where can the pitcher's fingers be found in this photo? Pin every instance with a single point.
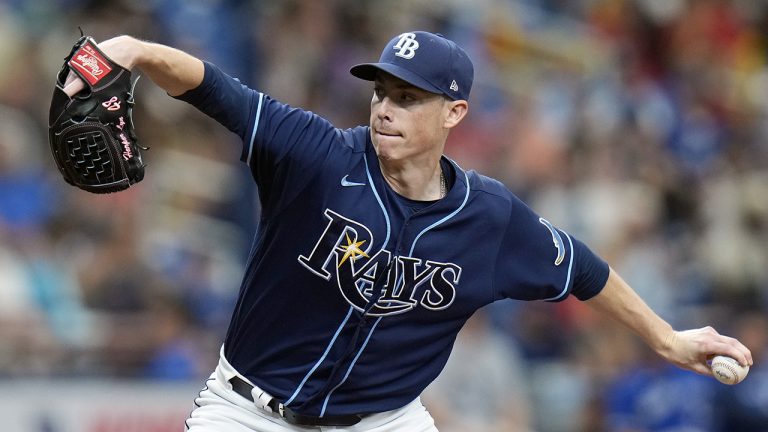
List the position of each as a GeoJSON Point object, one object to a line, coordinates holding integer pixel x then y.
{"type": "Point", "coordinates": [745, 352]}
{"type": "Point", "coordinates": [71, 88]}
{"type": "Point", "coordinates": [731, 347]}
{"type": "Point", "coordinates": [70, 77]}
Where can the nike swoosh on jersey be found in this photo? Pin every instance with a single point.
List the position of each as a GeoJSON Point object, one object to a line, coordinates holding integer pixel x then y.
{"type": "Point", "coordinates": [347, 183]}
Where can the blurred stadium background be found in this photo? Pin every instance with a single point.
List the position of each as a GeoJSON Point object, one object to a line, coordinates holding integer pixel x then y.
{"type": "Point", "coordinates": [637, 125]}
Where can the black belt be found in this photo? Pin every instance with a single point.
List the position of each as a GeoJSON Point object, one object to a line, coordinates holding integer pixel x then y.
{"type": "Point", "coordinates": [243, 388]}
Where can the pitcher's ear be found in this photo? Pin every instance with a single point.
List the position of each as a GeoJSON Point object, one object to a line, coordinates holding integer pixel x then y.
{"type": "Point", "coordinates": [456, 111]}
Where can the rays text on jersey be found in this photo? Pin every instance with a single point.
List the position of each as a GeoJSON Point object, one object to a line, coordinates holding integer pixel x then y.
{"type": "Point", "coordinates": [343, 252]}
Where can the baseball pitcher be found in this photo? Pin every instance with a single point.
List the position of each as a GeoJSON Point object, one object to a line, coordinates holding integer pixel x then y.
{"type": "Point", "coordinates": [374, 248]}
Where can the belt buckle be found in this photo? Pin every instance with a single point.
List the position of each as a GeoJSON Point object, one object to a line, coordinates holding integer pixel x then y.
{"type": "Point", "coordinates": [276, 407]}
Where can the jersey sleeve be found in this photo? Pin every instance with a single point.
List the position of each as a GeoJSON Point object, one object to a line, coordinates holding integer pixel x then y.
{"type": "Point", "coordinates": [270, 131]}
{"type": "Point", "coordinates": [223, 98]}
{"type": "Point", "coordinates": [539, 261]}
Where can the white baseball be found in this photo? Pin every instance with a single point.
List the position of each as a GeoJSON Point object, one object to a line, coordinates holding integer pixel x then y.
{"type": "Point", "coordinates": [727, 370]}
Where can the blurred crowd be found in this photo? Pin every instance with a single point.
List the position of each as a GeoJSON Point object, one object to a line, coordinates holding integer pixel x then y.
{"type": "Point", "coordinates": [639, 126]}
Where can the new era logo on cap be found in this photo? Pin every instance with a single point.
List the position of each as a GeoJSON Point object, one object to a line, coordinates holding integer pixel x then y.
{"type": "Point", "coordinates": [426, 60]}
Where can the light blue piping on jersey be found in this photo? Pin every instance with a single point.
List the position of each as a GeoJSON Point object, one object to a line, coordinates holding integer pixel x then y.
{"type": "Point", "coordinates": [410, 253]}
{"type": "Point", "coordinates": [351, 308]}
{"type": "Point", "coordinates": [466, 198]}
{"type": "Point", "coordinates": [349, 370]}
{"type": "Point", "coordinates": [255, 128]}
{"type": "Point", "coordinates": [570, 267]}
{"type": "Point", "coordinates": [327, 350]}
{"type": "Point", "coordinates": [378, 199]}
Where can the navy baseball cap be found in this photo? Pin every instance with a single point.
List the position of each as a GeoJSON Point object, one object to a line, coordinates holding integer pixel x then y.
{"type": "Point", "coordinates": [426, 60]}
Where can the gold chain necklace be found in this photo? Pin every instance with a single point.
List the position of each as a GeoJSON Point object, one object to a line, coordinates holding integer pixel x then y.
{"type": "Point", "coordinates": [442, 184]}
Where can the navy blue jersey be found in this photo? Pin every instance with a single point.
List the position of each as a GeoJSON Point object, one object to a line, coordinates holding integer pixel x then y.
{"type": "Point", "coordinates": [353, 296]}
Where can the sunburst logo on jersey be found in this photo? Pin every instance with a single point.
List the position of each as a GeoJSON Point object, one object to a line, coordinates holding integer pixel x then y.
{"type": "Point", "coordinates": [352, 250]}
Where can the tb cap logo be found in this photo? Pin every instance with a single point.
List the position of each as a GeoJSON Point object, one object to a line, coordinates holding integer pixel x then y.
{"type": "Point", "coordinates": [406, 46]}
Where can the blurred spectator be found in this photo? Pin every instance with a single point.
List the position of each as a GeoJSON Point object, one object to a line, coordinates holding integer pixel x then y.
{"type": "Point", "coordinates": [28, 197]}
{"type": "Point", "coordinates": [651, 395]}
{"type": "Point", "coordinates": [175, 355]}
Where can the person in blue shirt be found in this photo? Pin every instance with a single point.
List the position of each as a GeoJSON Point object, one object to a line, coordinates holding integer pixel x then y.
{"type": "Point", "coordinates": [373, 248]}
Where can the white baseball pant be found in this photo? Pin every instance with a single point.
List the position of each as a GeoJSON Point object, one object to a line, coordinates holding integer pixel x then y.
{"type": "Point", "coordinates": [219, 409]}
